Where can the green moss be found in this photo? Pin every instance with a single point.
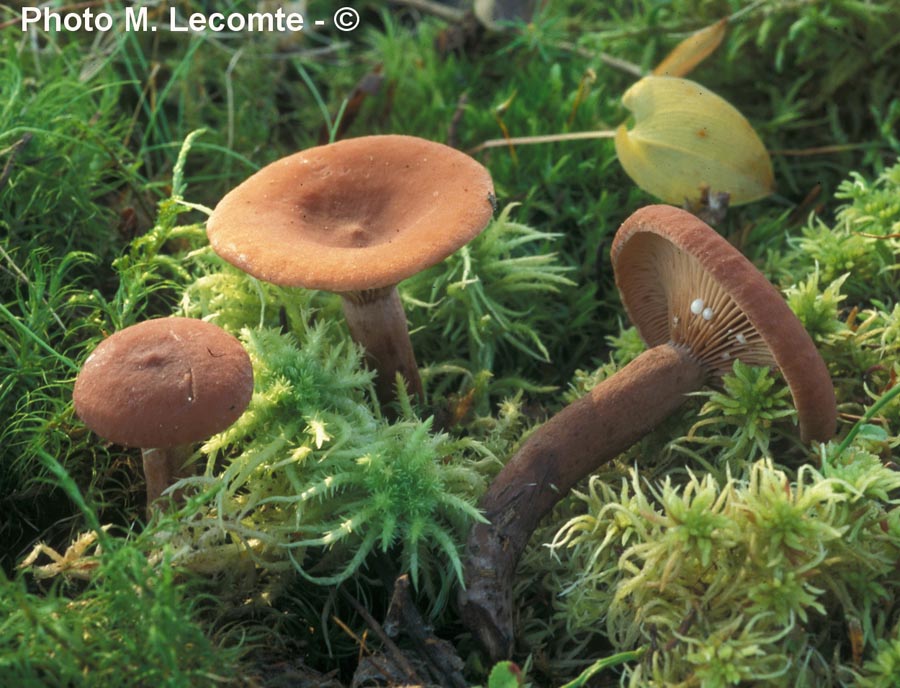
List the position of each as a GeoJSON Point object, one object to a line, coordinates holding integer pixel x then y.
{"type": "Point", "coordinates": [862, 248]}
{"type": "Point", "coordinates": [738, 423]}
{"type": "Point", "coordinates": [318, 469]}
{"type": "Point", "coordinates": [495, 294]}
{"type": "Point", "coordinates": [700, 571]}
{"type": "Point", "coordinates": [133, 619]}
{"type": "Point", "coordinates": [60, 142]}
{"type": "Point", "coordinates": [726, 580]}
{"type": "Point", "coordinates": [883, 670]}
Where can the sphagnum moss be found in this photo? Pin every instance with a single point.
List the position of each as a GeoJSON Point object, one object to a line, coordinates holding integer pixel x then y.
{"type": "Point", "coordinates": [725, 582]}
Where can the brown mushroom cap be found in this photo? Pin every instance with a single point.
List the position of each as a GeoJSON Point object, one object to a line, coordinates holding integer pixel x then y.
{"type": "Point", "coordinates": [358, 214]}
{"type": "Point", "coordinates": [164, 383]}
{"type": "Point", "coordinates": [682, 283]}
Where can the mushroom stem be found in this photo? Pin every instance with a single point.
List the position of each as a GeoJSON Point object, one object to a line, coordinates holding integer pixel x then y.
{"type": "Point", "coordinates": [162, 467]}
{"type": "Point", "coordinates": [570, 446]}
{"type": "Point", "coordinates": [377, 322]}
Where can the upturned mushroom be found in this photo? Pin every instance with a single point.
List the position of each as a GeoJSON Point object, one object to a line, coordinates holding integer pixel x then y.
{"type": "Point", "coordinates": [699, 304]}
{"type": "Point", "coordinates": [162, 385]}
{"type": "Point", "coordinates": [356, 217]}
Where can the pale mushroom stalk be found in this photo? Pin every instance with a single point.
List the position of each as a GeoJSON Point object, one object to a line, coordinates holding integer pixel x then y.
{"type": "Point", "coordinates": [699, 305]}
{"type": "Point", "coordinates": [377, 321]}
{"type": "Point", "coordinates": [163, 466]}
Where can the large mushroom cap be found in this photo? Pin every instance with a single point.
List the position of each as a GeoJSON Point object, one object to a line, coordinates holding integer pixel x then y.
{"type": "Point", "coordinates": [358, 214]}
{"type": "Point", "coordinates": [684, 284]}
{"type": "Point", "coordinates": [164, 383]}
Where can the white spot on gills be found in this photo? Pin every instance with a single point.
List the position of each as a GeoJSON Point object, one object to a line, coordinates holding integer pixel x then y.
{"type": "Point", "coordinates": [697, 306]}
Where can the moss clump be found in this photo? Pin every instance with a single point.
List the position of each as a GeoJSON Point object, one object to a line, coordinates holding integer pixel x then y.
{"type": "Point", "coordinates": [745, 580]}
{"type": "Point", "coordinates": [133, 620]}
{"type": "Point", "coordinates": [740, 421]}
{"type": "Point", "coordinates": [862, 247]}
{"type": "Point", "coordinates": [490, 300]}
{"type": "Point", "coordinates": [318, 469]}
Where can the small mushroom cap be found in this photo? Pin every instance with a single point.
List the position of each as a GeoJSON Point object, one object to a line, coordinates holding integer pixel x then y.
{"type": "Point", "coordinates": [682, 283]}
{"type": "Point", "coordinates": [358, 214]}
{"type": "Point", "coordinates": [164, 383]}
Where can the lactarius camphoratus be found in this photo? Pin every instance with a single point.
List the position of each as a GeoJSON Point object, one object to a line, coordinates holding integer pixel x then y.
{"type": "Point", "coordinates": [699, 305]}
{"type": "Point", "coordinates": [163, 385]}
{"type": "Point", "coordinates": [356, 217]}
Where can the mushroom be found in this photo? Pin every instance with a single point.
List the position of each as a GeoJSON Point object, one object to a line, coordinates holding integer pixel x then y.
{"type": "Point", "coordinates": [163, 385]}
{"type": "Point", "coordinates": [356, 217]}
{"type": "Point", "coordinates": [699, 304]}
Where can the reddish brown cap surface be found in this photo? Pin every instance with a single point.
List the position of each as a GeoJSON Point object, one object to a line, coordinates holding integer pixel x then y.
{"type": "Point", "coordinates": [681, 282]}
{"type": "Point", "coordinates": [164, 383]}
{"type": "Point", "coordinates": [358, 214]}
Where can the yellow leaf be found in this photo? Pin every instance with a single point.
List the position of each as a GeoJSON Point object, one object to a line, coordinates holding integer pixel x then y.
{"type": "Point", "coordinates": [686, 137]}
{"type": "Point", "coordinates": [692, 50]}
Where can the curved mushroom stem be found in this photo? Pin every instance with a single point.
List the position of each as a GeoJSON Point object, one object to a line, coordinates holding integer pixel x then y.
{"type": "Point", "coordinates": [162, 467]}
{"type": "Point", "coordinates": [571, 445]}
{"type": "Point", "coordinates": [378, 322]}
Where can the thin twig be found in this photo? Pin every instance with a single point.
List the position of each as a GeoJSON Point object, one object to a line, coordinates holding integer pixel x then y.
{"type": "Point", "coordinates": [14, 150]}
{"type": "Point", "coordinates": [605, 58]}
{"type": "Point", "coordinates": [362, 647]}
{"type": "Point", "coordinates": [819, 150]}
{"type": "Point", "coordinates": [439, 655]}
{"type": "Point", "coordinates": [453, 129]}
{"type": "Point", "coordinates": [547, 138]}
{"type": "Point", "coordinates": [867, 235]}
{"type": "Point", "coordinates": [229, 95]}
{"type": "Point", "coordinates": [391, 646]}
